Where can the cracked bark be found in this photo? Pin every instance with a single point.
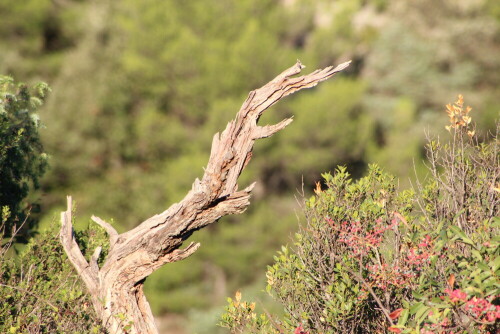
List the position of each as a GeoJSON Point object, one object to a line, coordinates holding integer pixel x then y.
{"type": "Point", "coordinates": [116, 289]}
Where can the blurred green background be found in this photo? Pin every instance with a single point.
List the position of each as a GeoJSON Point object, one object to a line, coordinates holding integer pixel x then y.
{"type": "Point", "coordinates": [140, 87]}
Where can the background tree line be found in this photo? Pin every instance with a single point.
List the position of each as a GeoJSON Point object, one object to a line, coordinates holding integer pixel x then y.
{"type": "Point", "coordinates": [139, 88]}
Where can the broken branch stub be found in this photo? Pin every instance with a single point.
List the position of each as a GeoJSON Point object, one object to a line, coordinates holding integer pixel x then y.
{"type": "Point", "coordinates": [116, 287]}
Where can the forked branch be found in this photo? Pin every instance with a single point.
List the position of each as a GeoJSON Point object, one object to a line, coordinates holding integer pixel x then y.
{"type": "Point", "coordinates": [116, 288]}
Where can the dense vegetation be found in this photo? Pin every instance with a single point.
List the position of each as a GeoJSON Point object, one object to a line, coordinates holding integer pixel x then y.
{"type": "Point", "coordinates": [374, 259]}
{"type": "Point", "coordinates": [22, 159]}
{"type": "Point", "coordinates": [40, 290]}
{"type": "Point", "coordinates": [140, 87]}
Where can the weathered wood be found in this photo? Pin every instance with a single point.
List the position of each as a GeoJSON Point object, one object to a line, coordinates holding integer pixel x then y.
{"type": "Point", "coordinates": [117, 287]}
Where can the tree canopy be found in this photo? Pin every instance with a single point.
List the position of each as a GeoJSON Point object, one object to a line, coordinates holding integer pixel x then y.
{"type": "Point", "coordinates": [22, 157]}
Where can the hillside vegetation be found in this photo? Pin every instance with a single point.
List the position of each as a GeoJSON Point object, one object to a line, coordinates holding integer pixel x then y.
{"type": "Point", "coordinates": [140, 87]}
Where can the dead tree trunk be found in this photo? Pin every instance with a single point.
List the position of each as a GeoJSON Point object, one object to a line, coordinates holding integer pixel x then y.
{"type": "Point", "coordinates": [116, 288]}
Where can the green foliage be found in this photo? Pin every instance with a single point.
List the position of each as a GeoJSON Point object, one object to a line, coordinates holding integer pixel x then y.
{"type": "Point", "coordinates": [343, 237]}
{"type": "Point", "coordinates": [459, 288]}
{"type": "Point", "coordinates": [318, 135]}
{"type": "Point", "coordinates": [40, 291]}
{"type": "Point", "coordinates": [372, 258]}
{"type": "Point", "coordinates": [241, 318]}
{"type": "Point", "coordinates": [22, 159]}
{"type": "Point", "coordinates": [425, 53]}
{"type": "Point", "coordinates": [156, 79]}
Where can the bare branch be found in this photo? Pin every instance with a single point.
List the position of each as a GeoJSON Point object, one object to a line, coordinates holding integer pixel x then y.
{"type": "Point", "coordinates": [94, 258]}
{"type": "Point", "coordinates": [73, 251]}
{"type": "Point", "coordinates": [116, 287]}
{"type": "Point", "coordinates": [181, 254]}
{"type": "Point", "coordinates": [113, 235]}
{"type": "Point", "coordinates": [269, 130]}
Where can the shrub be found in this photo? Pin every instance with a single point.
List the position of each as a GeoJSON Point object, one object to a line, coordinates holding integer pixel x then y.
{"type": "Point", "coordinates": [41, 292]}
{"type": "Point", "coordinates": [372, 259]}
{"type": "Point", "coordinates": [22, 160]}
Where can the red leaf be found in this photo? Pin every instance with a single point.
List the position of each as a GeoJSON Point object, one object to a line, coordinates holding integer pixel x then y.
{"type": "Point", "coordinates": [395, 314]}
{"type": "Point", "coordinates": [394, 329]}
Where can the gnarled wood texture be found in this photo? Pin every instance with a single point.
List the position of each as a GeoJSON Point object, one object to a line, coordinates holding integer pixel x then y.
{"type": "Point", "coordinates": [117, 287]}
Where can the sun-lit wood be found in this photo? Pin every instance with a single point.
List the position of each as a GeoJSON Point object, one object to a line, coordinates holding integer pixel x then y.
{"type": "Point", "coordinates": [117, 287]}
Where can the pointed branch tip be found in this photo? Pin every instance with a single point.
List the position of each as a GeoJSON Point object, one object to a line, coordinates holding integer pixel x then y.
{"type": "Point", "coordinates": [69, 203]}
{"type": "Point", "coordinates": [269, 130]}
{"type": "Point", "coordinates": [181, 254]}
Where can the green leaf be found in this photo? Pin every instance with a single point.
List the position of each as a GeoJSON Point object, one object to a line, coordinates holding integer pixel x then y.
{"type": "Point", "coordinates": [403, 317]}
{"type": "Point", "coordinates": [422, 313]}
{"type": "Point", "coordinates": [415, 308]}
{"type": "Point", "coordinates": [477, 255]}
{"type": "Point", "coordinates": [461, 234]}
